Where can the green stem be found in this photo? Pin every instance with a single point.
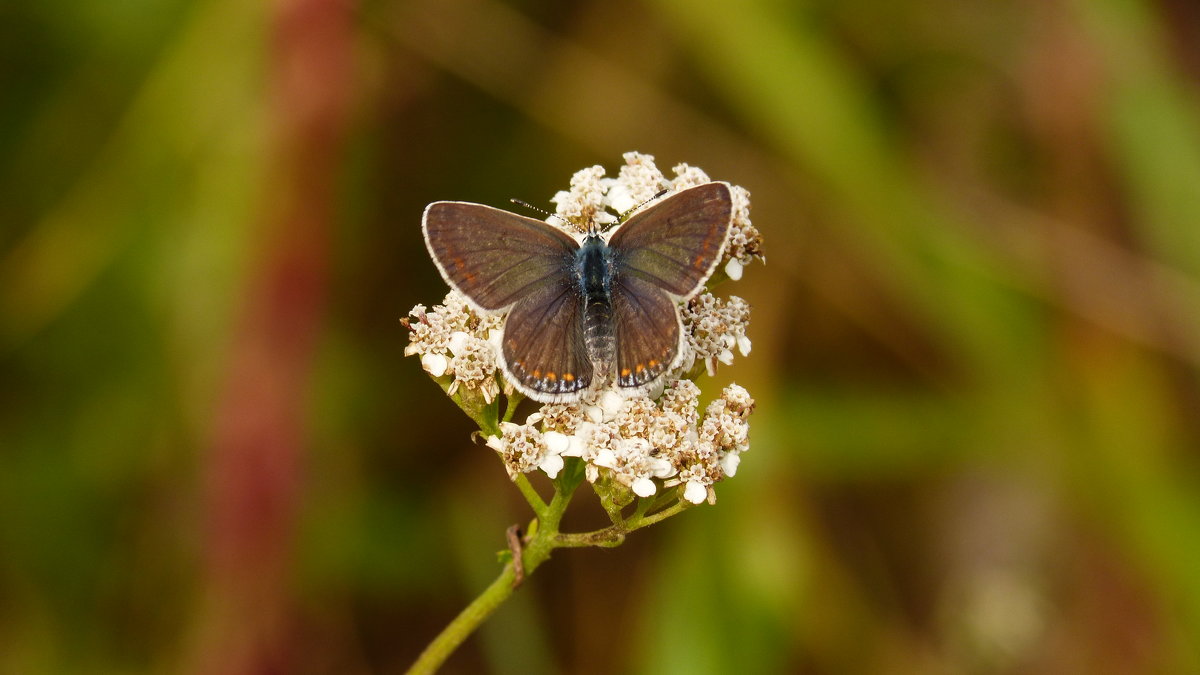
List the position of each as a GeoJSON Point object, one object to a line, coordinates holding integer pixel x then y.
{"type": "Point", "coordinates": [513, 400]}
{"type": "Point", "coordinates": [609, 537]}
{"type": "Point", "coordinates": [615, 535]}
{"type": "Point", "coordinates": [464, 624]}
{"type": "Point", "coordinates": [544, 538]}
{"type": "Point", "coordinates": [531, 495]}
{"type": "Point", "coordinates": [658, 516]}
{"type": "Point", "coordinates": [536, 552]}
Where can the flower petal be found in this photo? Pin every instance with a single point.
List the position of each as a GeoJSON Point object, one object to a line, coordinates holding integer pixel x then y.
{"type": "Point", "coordinates": [458, 342]}
{"type": "Point", "coordinates": [743, 344]}
{"type": "Point", "coordinates": [435, 364]}
{"type": "Point", "coordinates": [556, 442]}
{"type": "Point", "coordinates": [551, 465]}
{"type": "Point", "coordinates": [605, 458]}
{"type": "Point", "coordinates": [644, 487]}
{"type": "Point", "coordinates": [734, 269]}
{"type": "Point", "coordinates": [695, 492]}
{"type": "Point", "coordinates": [730, 462]}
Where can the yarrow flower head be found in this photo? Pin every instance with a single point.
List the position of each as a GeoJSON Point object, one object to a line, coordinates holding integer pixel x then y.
{"type": "Point", "coordinates": [638, 429]}
{"type": "Point", "coordinates": [456, 345]}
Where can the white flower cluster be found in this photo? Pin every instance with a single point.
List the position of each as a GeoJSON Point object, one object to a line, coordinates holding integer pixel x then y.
{"type": "Point", "coordinates": [453, 340]}
{"type": "Point", "coordinates": [595, 198]}
{"type": "Point", "coordinates": [642, 444]}
{"type": "Point", "coordinates": [714, 327]}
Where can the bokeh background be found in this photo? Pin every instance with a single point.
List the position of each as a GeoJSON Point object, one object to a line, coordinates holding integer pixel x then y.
{"type": "Point", "coordinates": [976, 340]}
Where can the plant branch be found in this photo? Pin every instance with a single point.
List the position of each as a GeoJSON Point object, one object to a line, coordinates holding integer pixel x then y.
{"type": "Point", "coordinates": [615, 535]}
{"type": "Point", "coordinates": [535, 500]}
{"type": "Point", "coordinates": [465, 623]}
{"type": "Point", "coordinates": [536, 552]}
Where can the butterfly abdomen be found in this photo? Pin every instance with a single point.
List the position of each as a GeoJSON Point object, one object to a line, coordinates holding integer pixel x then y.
{"type": "Point", "coordinates": [595, 283]}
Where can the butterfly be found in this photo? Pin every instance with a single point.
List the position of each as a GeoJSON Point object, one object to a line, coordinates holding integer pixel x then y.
{"type": "Point", "coordinates": [584, 314]}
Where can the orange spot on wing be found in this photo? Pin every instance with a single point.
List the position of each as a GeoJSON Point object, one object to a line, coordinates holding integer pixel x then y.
{"type": "Point", "coordinates": [551, 376]}
{"type": "Point", "coordinates": [568, 377]}
{"type": "Point", "coordinates": [625, 372]}
{"type": "Point", "coordinates": [460, 265]}
{"type": "Point", "coordinates": [537, 373]}
{"type": "Point", "coordinates": [700, 263]}
{"type": "Point", "coordinates": [653, 363]}
{"type": "Point", "coordinates": [640, 367]}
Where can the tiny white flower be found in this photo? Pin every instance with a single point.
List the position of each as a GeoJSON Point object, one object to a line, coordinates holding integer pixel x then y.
{"type": "Point", "coordinates": [495, 338]}
{"type": "Point", "coordinates": [726, 357]}
{"type": "Point", "coordinates": [495, 442]}
{"type": "Point", "coordinates": [743, 344]}
{"type": "Point", "coordinates": [661, 468]}
{"type": "Point", "coordinates": [730, 462]}
{"type": "Point", "coordinates": [435, 364]}
{"type": "Point", "coordinates": [610, 404]}
{"type": "Point", "coordinates": [644, 487]}
{"type": "Point", "coordinates": [594, 413]}
{"type": "Point", "coordinates": [575, 446]}
{"type": "Point", "coordinates": [640, 178]}
{"type": "Point", "coordinates": [656, 388]}
{"type": "Point", "coordinates": [620, 199]}
{"type": "Point", "coordinates": [634, 447]}
{"type": "Point", "coordinates": [734, 269]}
{"type": "Point", "coordinates": [695, 492]}
{"type": "Point", "coordinates": [556, 442]}
{"type": "Point", "coordinates": [738, 399]}
{"type": "Point", "coordinates": [689, 176]}
{"type": "Point", "coordinates": [605, 458]}
{"type": "Point", "coordinates": [458, 342]}
{"type": "Point", "coordinates": [551, 465]}
{"type": "Point", "coordinates": [580, 439]}
{"type": "Point", "coordinates": [521, 448]}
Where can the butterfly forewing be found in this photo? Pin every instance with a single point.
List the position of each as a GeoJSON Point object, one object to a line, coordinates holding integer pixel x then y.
{"type": "Point", "coordinates": [648, 333]}
{"type": "Point", "coordinates": [543, 347]}
{"type": "Point", "coordinates": [494, 257]}
{"type": "Point", "coordinates": [676, 243]}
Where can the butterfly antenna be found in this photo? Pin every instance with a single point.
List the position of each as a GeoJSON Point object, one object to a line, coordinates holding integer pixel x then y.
{"type": "Point", "coordinates": [544, 212]}
{"type": "Point", "coordinates": [531, 207]}
{"type": "Point", "coordinates": [625, 216]}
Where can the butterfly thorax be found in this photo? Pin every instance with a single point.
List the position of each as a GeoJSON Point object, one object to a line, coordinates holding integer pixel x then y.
{"type": "Point", "coordinates": [593, 269]}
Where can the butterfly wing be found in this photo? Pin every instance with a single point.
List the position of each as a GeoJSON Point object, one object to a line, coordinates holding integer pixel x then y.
{"type": "Point", "coordinates": [676, 243]}
{"type": "Point", "coordinates": [648, 331]}
{"type": "Point", "coordinates": [662, 254]}
{"type": "Point", "coordinates": [494, 257]}
{"type": "Point", "coordinates": [543, 349]}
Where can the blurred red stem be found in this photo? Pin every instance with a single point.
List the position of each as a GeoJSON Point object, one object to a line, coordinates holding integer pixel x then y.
{"type": "Point", "coordinates": [254, 470]}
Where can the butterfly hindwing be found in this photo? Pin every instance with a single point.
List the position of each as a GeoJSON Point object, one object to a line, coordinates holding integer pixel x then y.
{"type": "Point", "coordinates": [494, 257]}
{"type": "Point", "coordinates": [677, 242]}
{"type": "Point", "coordinates": [543, 349]}
{"type": "Point", "coordinates": [647, 333]}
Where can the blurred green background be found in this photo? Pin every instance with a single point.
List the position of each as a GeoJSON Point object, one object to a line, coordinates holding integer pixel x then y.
{"type": "Point", "coordinates": [976, 340]}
